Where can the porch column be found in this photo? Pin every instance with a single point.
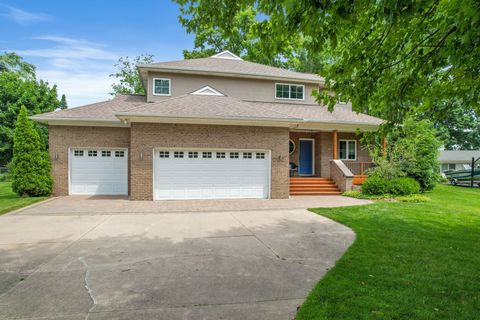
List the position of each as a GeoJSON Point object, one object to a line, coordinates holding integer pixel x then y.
{"type": "Point", "coordinates": [335, 144]}
{"type": "Point", "coordinates": [384, 147]}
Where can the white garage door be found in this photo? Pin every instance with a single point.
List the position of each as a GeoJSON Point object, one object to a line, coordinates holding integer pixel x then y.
{"type": "Point", "coordinates": [99, 171]}
{"type": "Point", "coordinates": [211, 174]}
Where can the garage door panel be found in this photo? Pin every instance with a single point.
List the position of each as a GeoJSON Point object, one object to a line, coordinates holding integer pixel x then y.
{"type": "Point", "coordinates": [211, 178]}
{"type": "Point", "coordinates": [102, 175]}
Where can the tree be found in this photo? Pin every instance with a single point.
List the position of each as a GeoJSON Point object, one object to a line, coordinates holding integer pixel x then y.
{"type": "Point", "coordinates": [63, 102]}
{"type": "Point", "coordinates": [11, 62]}
{"type": "Point", "coordinates": [31, 164]}
{"type": "Point", "coordinates": [18, 87]}
{"type": "Point", "coordinates": [458, 126]}
{"type": "Point", "coordinates": [239, 38]}
{"type": "Point", "coordinates": [129, 81]}
{"type": "Point", "coordinates": [386, 57]}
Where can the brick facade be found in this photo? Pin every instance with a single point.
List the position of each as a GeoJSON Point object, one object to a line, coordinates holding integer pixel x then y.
{"type": "Point", "coordinates": [148, 136]}
{"type": "Point", "coordinates": [63, 137]}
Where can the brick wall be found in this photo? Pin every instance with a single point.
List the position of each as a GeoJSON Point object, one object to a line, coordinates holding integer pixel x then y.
{"type": "Point", "coordinates": [63, 137]}
{"type": "Point", "coordinates": [147, 136]}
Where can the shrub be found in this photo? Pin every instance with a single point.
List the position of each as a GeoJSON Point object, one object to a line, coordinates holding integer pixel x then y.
{"type": "Point", "coordinates": [396, 187]}
{"type": "Point", "coordinates": [416, 147]}
{"type": "Point", "coordinates": [403, 186]}
{"type": "Point", "coordinates": [354, 194]}
{"type": "Point", "coordinates": [31, 164]}
{"type": "Point", "coordinates": [375, 186]}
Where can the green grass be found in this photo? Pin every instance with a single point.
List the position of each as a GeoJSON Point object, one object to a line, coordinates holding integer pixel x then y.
{"type": "Point", "coordinates": [10, 201]}
{"type": "Point", "coordinates": [409, 261]}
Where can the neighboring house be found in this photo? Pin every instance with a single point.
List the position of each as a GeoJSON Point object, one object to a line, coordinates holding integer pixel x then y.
{"type": "Point", "coordinates": [457, 159]}
{"type": "Point", "coordinates": [216, 127]}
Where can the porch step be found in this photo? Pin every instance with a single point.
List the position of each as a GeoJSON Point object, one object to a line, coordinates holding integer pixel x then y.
{"type": "Point", "coordinates": [313, 186]}
{"type": "Point", "coordinates": [315, 193]}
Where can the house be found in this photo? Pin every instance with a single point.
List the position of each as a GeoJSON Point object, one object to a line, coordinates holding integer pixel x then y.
{"type": "Point", "coordinates": [209, 128]}
{"type": "Point", "coordinates": [457, 159]}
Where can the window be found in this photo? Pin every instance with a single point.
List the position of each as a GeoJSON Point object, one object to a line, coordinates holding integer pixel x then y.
{"type": "Point", "coordinates": [178, 154]}
{"type": "Point", "coordinates": [289, 91]}
{"type": "Point", "coordinates": [291, 146]}
{"type": "Point", "coordinates": [448, 166]}
{"type": "Point", "coordinates": [247, 155]}
{"type": "Point", "coordinates": [347, 150]}
{"type": "Point", "coordinates": [78, 153]}
{"type": "Point", "coordinates": [92, 153]}
{"type": "Point", "coordinates": [260, 155]}
{"type": "Point", "coordinates": [119, 154]}
{"type": "Point", "coordinates": [193, 154]}
{"type": "Point", "coordinates": [161, 87]}
{"type": "Point", "coordinates": [220, 155]}
{"type": "Point", "coordinates": [233, 155]}
{"type": "Point", "coordinates": [206, 155]}
{"type": "Point", "coordinates": [164, 154]}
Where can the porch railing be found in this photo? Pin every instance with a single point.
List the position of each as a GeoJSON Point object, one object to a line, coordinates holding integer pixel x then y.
{"type": "Point", "coordinates": [359, 168]}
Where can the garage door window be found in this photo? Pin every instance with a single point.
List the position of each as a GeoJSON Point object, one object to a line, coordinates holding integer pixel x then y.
{"type": "Point", "coordinates": [119, 154]}
{"type": "Point", "coordinates": [178, 154]}
{"type": "Point", "coordinates": [220, 155]}
{"type": "Point", "coordinates": [206, 155]}
{"type": "Point", "coordinates": [164, 154]}
{"type": "Point", "coordinates": [92, 153]}
{"type": "Point", "coordinates": [260, 155]}
{"type": "Point", "coordinates": [247, 155]}
{"type": "Point", "coordinates": [106, 153]}
{"type": "Point", "coordinates": [193, 154]}
{"type": "Point", "coordinates": [78, 153]}
{"type": "Point", "coordinates": [234, 155]}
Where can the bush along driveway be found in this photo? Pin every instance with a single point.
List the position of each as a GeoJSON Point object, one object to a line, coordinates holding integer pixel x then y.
{"type": "Point", "coordinates": [11, 201]}
{"type": "Point", "coordinates": [409, 261]}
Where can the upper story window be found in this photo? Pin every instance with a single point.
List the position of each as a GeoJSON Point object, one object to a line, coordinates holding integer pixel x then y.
{"type": "Point", "coordinates": [347, 150]}
{"type": "Point", "coordinates": [289, 91]}
{"type": "Point", "coordinates": [161, 87]}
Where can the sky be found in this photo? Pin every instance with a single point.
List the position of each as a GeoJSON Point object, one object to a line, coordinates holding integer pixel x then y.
{"type": "Point", "coordinates": [75, 44]}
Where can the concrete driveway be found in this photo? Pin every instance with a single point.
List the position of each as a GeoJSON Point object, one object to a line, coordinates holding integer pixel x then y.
{"type": "Point", "coordinates": [97, 258]}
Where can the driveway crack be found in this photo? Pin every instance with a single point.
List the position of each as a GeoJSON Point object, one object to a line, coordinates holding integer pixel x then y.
{"type": "Point", "coordinates": [87, 286]}
{"type": "Point", "coordinates": [258, 239]}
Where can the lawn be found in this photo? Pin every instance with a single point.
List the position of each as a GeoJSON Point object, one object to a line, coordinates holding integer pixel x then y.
{"type": "Point", "coordinates": [10, 201]}
{"type": "Point", "coordinates": [409, 261]}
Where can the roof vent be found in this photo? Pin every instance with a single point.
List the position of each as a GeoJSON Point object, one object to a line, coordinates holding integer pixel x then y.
{"type": "Point", "coordinates": [226, 55]}
{"type": "Point", "coordinates": [208, 91]}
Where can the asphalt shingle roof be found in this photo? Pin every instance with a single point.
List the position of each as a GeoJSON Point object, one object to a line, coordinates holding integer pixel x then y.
{"type": "Point", "coordinates": [205, 106]}
{"type": "Point", "coordinates": [234, 67]}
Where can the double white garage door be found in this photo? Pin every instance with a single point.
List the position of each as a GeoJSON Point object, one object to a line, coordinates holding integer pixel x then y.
{"type": "Point", "coordinates": [178, 174]}
{"type": "Point", "coordinates": [211, 174]}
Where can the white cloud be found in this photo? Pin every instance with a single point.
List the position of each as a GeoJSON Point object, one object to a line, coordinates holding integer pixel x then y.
{"type": "Point", "coordinates": [21, 16]}
{"type": "Point", "coordinates": [79, 68]}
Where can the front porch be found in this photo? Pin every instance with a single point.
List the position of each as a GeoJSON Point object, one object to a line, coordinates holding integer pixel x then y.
{"type": "Point", "coordinates": [326, 162]}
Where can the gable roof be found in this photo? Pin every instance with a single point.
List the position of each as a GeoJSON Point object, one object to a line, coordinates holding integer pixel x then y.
{"type": "Point", "coordinates": [228, 64]}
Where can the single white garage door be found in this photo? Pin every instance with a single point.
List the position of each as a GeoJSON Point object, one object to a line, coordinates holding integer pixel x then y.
{"type": "Point", "coordinates": [211, 174]}
{"type": "Point", "coordinates": [99, 171]}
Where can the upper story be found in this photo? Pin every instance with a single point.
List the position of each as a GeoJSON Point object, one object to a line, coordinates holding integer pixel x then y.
{"type": "Point", "coordinates": [231, 76]}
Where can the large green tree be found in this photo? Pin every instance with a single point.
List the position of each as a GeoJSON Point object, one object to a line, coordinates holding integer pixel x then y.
{"type": "Point", "coordinates": [240, 36]}
{"type": "Point", "coordinates": [126, 75]}
{"type": "Point", "coordinates": [390, 58]}
{"type": "Point", "coordinates": [19, 87]}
